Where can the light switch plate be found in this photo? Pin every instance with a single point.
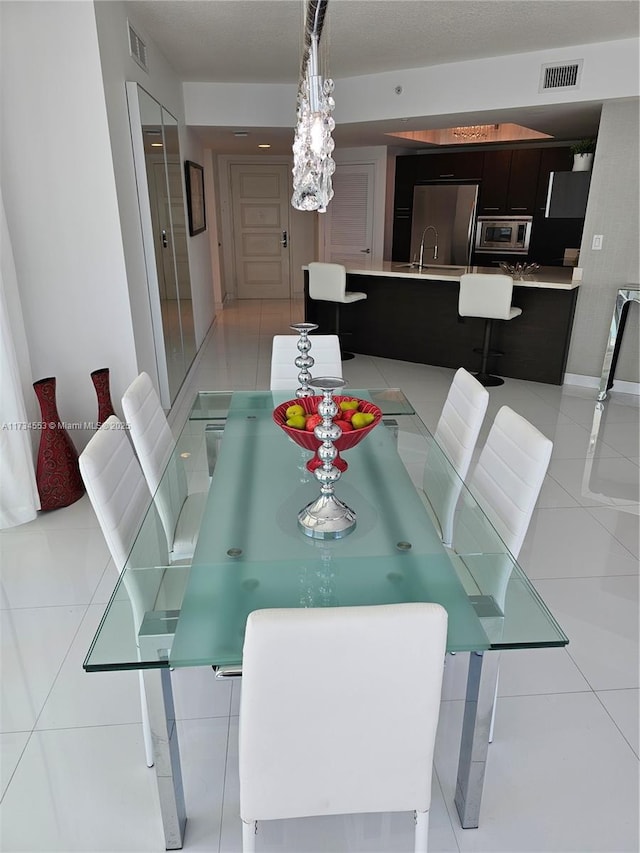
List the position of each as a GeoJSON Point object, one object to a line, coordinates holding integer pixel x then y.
{"type": "Point", "coordinates": [596, 243]}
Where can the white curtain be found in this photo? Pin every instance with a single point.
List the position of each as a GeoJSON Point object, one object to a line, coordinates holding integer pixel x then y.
{"type": "Point", "coordinates": [19, 500]}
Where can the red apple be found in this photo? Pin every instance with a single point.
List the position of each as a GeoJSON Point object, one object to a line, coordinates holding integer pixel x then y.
{"type": "Point", "coordinates": [312, 422]}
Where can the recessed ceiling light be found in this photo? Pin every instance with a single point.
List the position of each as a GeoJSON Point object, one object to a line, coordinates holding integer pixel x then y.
{"type": "Point", "coordinates": [264, 145]}
{"type": "Point", "coordinates": [240, 133]}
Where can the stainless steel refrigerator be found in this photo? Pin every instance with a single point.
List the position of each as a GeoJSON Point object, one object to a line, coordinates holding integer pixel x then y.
{"type": "Point", "coordinates": [451, 211]}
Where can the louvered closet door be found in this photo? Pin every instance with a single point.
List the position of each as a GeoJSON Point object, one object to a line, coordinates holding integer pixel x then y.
{"type": "Point", "coordinates": [349, 223]}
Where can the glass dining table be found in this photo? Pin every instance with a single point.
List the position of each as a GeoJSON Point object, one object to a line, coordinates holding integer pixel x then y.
{"type": "Point", "coordinates": [251, 554]}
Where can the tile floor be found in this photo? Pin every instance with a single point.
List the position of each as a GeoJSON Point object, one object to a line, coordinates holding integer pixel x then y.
{"type": "Point", "coordinates": [563, 768]}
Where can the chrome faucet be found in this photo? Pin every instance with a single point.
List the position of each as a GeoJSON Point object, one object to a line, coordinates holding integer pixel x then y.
{"type": "Point", "coordinates": [435, 246]}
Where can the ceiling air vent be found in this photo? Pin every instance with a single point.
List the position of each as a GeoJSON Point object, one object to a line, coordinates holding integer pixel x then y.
{"type": "Point", "coordinates": [137, 48]}
{"type": "Point", "coordinates": [564, 76]}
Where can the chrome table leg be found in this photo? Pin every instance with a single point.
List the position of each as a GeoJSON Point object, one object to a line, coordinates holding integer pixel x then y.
{"type": "Point", "coordinates": [166, 753]}
{"type": "Point", "coordinates": [474, 743]}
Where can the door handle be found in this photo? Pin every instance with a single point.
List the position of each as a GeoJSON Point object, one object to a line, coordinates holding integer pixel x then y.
{"type": "Point", "coordinates": [165, 242]}
{"type": "Point", "coordinates": [283, 242]}
{"type": "Point", "coordinates": [366, 251]}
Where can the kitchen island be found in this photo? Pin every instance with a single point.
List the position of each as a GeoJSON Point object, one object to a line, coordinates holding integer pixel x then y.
{"type": "Point", "coordinates": [412, 315]}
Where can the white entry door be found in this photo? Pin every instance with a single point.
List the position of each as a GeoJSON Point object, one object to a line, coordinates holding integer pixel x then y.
{"type": "Point", "coordinates": [349, 217]}
{"type": "Point", "coordinates": [260, 200]}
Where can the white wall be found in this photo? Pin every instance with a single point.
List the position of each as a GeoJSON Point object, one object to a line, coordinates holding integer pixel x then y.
{"type": "Point", "coordinates": [612, 212]}
{"type": "Point", "coordinates": [610, 70]}
{"type": "Point", "coordinates": [60, 196]}
{"type": "Point", "coordinates": [163, 85]}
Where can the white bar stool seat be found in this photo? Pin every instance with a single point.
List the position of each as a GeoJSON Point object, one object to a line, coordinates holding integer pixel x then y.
{"type": "Point", "coordinates": [328, 283]}
{"type": "Point", "coordinates": [487, 296]}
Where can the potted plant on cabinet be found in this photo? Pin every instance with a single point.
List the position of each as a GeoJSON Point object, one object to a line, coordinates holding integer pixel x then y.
{"type": "Point", "coordinates": [583, 154]}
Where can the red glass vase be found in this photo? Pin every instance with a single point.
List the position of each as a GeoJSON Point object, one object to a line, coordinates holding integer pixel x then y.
{"type": "Point", "coordinates": [57, 470]}
{"type": "Point", "coordinates": [100, 379]}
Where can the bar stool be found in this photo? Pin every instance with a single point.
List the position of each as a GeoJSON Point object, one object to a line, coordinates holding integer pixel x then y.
{"type": "Point", "coordinates": [328, 283]}
{"type": "Point", "coordinates": [487, 296]}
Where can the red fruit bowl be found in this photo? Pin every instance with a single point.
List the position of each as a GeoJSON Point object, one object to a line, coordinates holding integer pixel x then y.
{"type": "Point", "coordinates": [307, 439]}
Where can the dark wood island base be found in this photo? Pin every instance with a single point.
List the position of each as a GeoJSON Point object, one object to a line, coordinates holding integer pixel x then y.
{"type": "Point", "coordinates": [416, 319]}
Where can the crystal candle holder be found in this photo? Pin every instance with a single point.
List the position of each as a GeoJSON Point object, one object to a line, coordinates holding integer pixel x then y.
{"type": "Point", "coordinates": [304, 362]}
{"type": "Point", "coordinates": [327, 517]}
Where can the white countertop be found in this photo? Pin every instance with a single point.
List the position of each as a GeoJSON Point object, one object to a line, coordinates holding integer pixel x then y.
{"type": "Point", "coordinates": [549, 278]}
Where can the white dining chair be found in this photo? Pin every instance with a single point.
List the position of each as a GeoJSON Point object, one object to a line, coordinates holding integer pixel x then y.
{"type": "Point", "coordinates": [325, 352]}
{"type": "Point", "coordinates": [506, 483]}
{"type": "Point", "coordinates": [339, 711]}
{"type": "Point", "coordinates": [120, 498]}
{"type": "Point", "coordinates": [456, 434]}
{"type": "Point", "coordinates": [181, 512]}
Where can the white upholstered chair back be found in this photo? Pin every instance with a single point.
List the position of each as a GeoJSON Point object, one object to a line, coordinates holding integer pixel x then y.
{"type": "Point", "coordinates": [327, 282]}
{"type": "Point", "coordinates": [119, 494]}
{"type": "Point", "coordinates": [325, 351]}
{"type": "Point", "coordinates": [461, 420]}
{"type": "Point", "coordinates": [456, 434]}
{"type": "Point", "coordinates": [339, 711]}
{"type": "Point", "coordinates": [486, 296]}
{"type": "Point", "coordinates": [120, 498]}
{"type": "Point", "coordinates": [509, 475]}
{"type": "Point", "coordinates": [154, 444]}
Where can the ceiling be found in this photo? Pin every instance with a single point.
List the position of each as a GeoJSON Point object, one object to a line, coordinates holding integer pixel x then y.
{"type": "Point", "coordinates": [260, 41]}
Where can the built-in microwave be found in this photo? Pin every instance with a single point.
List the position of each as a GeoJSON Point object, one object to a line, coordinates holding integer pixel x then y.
{"type": "Point", "coordinates": [503, 234]}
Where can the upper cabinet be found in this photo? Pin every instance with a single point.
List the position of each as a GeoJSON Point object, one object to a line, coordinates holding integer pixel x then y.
{"type": "Point", "coordinates": [509, 182]}
{"type": "Point", "coordinates": [551, 160]}
{"type": "Point", "coordinates": [450, 166]}
{"type": "Point", "coordinates": [523, 181]}
{"type": "Point", "coordinates": [495, 183]}
{"type": "Point", "coordinates": [568, 194]}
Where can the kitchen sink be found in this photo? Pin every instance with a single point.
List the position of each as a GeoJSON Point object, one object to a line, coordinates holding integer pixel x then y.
{"type": "Point", "coordinates": [433, 268]}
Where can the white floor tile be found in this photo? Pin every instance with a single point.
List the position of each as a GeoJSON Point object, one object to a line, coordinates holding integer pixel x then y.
{"type": "Point", "coordinates": [602, 482]}
{"type": "Point", "coordinates": [622, 705]}
{"type": "Point", "coordinates": [34, 644]}
{"type": "Point", "coordinates": [99, 698]}
{"type": "Point", "coordinates": [625, 526]}
{"type": "Point", "coordinates": [544, 791]}
{"type": "Point", "coordinates": [571, 441]}
{"type": "Point", "coordinates": [82, 790]}
{"type": "Point", "coordinates": [565, 543]}
{"type": "Point", "coordinates": [600, 618]}
{"type": "Point", "coordinates": [51, 566]}
{"type": "Point", "coordinates": [12, 745]}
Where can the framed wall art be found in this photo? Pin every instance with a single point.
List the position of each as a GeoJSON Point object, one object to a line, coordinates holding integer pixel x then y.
{"type": "Point", "coordinates": [194, 175]}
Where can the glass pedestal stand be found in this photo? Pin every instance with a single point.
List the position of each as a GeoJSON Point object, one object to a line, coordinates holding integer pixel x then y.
{"type": "Point", "coordinates": [327, 517]}
{"type": "Point", "coordinates": [304, 361]}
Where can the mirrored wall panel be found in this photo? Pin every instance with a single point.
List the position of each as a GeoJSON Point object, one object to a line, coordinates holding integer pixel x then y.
{"type": "Point", "coordinates": [166, 237]}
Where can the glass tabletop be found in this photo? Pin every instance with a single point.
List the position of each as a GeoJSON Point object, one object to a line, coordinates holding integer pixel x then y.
{"type": "Point", "coordinates": [250, 553]}
{"type": "Point", "coordinates": [214, 405]}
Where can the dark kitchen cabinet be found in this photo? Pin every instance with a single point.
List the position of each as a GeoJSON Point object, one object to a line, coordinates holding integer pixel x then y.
{"type": "Point", "coordinates": [569, 193]}
{"type": "Point", "coordinates": [551, 160]}
{"type": "Point", "coordinates": [403, 203]}
{"type": "Point", "coordinates": [495, 183]}
{"type": "Point", "coordinates": [450, 166]}
{"type": "Point", "coordinates": [523, 181]}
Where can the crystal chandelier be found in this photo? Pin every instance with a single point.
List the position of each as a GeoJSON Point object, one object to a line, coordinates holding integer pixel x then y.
{"type": "Point", "coordinates": [313, 165]}
{"type": "Point", "coordinates": [474, 131]}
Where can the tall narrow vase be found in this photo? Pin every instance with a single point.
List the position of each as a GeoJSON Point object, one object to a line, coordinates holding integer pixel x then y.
{"type": "Point", "coordinates": [100, 379]}
{"type": "Point", "coordinates": [57, 470]}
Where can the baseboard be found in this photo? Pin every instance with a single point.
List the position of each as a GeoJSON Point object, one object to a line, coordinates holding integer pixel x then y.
{"type": "Point", "coordinates": [620, 385]}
